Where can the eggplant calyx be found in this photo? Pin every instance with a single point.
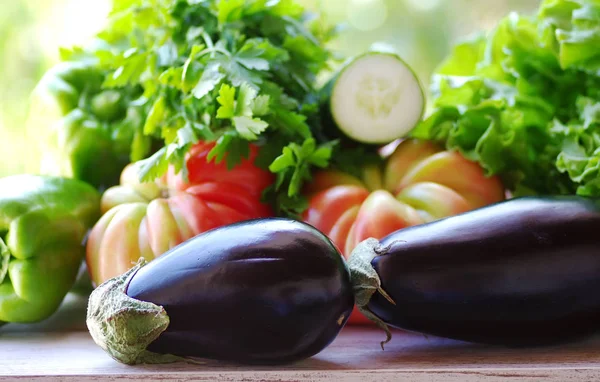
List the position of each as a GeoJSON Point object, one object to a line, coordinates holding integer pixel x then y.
{"type": "Point", "coordinates": [4, 260]}
{"type": "Point", "coordinates": [366, 281]}
{"type": "Point", "coordinates": [124, 326]}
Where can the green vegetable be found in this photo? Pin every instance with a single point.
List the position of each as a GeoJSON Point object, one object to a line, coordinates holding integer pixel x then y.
{"type": "Point", "coordinates": [87, 131]}
{"type": "Point", "coordinates": [524, 100]}
{"type": "Point", "coordinates": [231, 71]}
{"type": "Point", "coordinates": [376, 98]}
{"type": "Point", "coordinates": [43, 222]}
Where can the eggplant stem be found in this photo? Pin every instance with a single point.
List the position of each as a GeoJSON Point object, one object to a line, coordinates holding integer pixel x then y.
{"type": "Point", "coordinates": [382, 325]}
{"type": "Point", "coordinates": [386, 295]}
{"type": "Point", "coordinates": [381, 250]}
{"type": "Point", "coordinates": [366, 281]}
{"type": "Point", "coordinates": [124, 326]}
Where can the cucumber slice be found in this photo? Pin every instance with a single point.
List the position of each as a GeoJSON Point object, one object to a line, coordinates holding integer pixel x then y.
{"type": "Point", "coordinates": [377, 98]}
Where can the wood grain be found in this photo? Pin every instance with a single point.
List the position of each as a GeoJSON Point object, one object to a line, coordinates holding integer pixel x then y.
{"type": "Point", "coordinates": [62, 350]}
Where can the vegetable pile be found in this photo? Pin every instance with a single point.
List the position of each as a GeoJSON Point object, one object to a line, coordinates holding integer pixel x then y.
{"type": "Point", "coordinates": [147, 219]}
{"type": "Point", "coordinates": [227, 204]}
{"type": "Point", "coordinates": [418, 182]}
{"type": "Point", "coordinates": [173, 99]}
{"type": "Point", "coordinates": [233, 72]}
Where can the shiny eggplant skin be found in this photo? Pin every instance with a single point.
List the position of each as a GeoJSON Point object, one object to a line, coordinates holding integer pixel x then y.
{"type": "Point", "coordinates": [261, 291]}
{"type": "Point", "coordinates": [523, 272]}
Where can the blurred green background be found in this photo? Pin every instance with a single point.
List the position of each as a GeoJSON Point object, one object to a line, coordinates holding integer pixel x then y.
{"type": "Point", "coordinates": [31, 32]}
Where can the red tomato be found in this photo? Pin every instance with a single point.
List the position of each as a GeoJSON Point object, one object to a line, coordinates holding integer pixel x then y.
{"type": "Point", "coordinates": [148, 219]}
{"type": "Point", "coordinates": [418, 183]}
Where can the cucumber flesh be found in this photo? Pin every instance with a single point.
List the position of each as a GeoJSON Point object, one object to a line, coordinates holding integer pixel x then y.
{"type": "Point", "coordinates": [377, 98]}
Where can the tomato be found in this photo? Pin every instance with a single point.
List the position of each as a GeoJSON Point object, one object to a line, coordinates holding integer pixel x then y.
{"type": "Point", "coordinates": [147, 219]}
{"type": "Point", "coordinates": [417, 183]}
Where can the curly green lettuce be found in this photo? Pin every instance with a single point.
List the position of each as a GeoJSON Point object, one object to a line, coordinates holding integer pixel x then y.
{"type": "Point", "coordinates": [524, 100]}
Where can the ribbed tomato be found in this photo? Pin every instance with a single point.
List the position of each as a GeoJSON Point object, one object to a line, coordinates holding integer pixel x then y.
{"type": "Point", "coordinates": [418, 183]}
{"type": "Point", "coordinates": [147, 219]}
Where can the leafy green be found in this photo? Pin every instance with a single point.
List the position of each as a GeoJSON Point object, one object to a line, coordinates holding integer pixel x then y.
{"type": "Point", "coordinates": [236, 72]}
{"type": "Point", "coordinates": [295, 163]}
{"type": "Point", "coordinates": [576, 25]}
{"type": "Point", "coordinates": [524, 100]}
{"type": "Point", "coordinates": [226, 99]}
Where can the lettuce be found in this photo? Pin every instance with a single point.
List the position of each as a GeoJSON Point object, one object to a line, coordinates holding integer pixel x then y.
{"type": "Point", "coordinates": [524, 100]}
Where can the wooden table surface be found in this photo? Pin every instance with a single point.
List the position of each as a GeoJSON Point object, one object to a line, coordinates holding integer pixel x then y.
{"type": "Point", "coordinates": [61, 349]}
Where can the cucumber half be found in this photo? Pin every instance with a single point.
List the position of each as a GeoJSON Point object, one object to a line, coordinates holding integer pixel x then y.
{"type": "Point", "coordinates": [377, 98]}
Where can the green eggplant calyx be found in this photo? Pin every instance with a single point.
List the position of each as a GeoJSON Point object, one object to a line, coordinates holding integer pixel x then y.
{"type": "Point", "coordinates": [4, 260]}
{"type": "Point", "coordinates": [124, 326]}
{"type": "Point", "coordinates": [366, 281]}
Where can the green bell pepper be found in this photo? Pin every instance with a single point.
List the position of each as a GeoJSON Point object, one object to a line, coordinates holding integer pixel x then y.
{"type": "Point", "coordinates": [43, 224]}
{"type": "Point", "coordinates": [86, 130]}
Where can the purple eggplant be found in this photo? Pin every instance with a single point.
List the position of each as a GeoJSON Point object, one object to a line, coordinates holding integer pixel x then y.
{"type": "Point", "coordinates": [523, 272]}
{"type": "Point", "coordinates": [264, 291]}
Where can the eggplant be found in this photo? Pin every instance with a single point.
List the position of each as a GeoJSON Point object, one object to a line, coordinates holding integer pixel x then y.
{"type": "Point", "coordinates": [519, 273]}
{"type": "Point", "coordinates": [262, 291]}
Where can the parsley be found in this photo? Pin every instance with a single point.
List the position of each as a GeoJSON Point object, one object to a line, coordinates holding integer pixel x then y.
{"type": "Point", "coordinates": [233, 71]}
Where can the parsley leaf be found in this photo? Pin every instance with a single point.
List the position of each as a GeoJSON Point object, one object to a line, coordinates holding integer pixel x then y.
{"type": "Point", "coordinates": [155, 116]}
{"type": "Point", "coordinates": [249, 128]}
{"type": "Point", "coordinates": [245, 100]}
{"type": "Point", "coordinates": [260, 105]}
{"type": "Point", "coordinates": [154, 166]}
{"type": "Point", "coordinates": [295, 162]}
{"type": "Point", "coordinates": [230, 10]}
{"type": "Point", "coordinates": [226, 99]}
{"type": "Point", "coordinates": [259, 54]}
{"type": "Point", "coordinates": [211, 77]}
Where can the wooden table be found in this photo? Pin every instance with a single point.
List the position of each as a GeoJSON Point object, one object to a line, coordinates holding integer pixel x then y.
{"type": "Point", "coordinates": [61, 349]}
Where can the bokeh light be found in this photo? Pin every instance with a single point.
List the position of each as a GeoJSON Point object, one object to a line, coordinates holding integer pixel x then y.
{"type": "Point", "coordinates": [366, 15]}
{"type": "Point", "coordinates": [71, 23]}
{"type": "Point", "coordinates": [423, 5]}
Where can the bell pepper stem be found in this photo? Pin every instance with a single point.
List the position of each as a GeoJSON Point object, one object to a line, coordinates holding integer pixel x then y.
{"type": "Point", "coordinates": [4, 260]}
